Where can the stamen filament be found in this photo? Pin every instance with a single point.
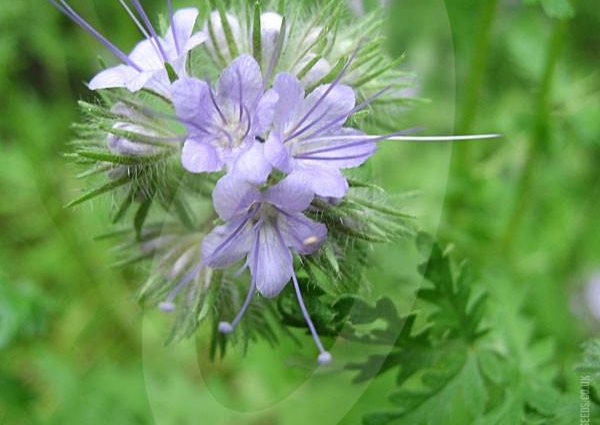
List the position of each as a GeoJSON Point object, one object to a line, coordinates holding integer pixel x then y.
{"type": "Point", "coordinates": [362, 140]}
{"type": "Point", "coordinates": [146, 21]}
{"type": "Point", "coordinates": [324, 96]}
{"type": "Point", "coordinates": [343, 118]}
{"type": "Point", "coordinates": [226, 327]}
{"type": "Point", "coordinates": [134, 19]}
{"type": "Point", "coordinates": [215, 104]}
{"type": "Point", "coordinates": [173, 32]}
{"type": "Point", "coordinates": [168, 306]}
{"type": "Point", "coordinates": [324, 356]}
{"type": "Point", "coordinates": [75, 17]}
{"type": "Point", "coordinates": [140, 26]}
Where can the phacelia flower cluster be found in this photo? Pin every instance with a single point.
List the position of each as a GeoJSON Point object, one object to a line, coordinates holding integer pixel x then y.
{"type": "Point", "coordinates": [273, 130]}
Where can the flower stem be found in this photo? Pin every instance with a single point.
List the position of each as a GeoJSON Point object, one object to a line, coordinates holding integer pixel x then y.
{"type": "Point", "coordinates": [540, 134]}
{"type": "Point", "coordinates": [463, 152]}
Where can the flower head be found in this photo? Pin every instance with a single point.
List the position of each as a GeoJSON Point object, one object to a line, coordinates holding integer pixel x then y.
{"type": "Point", "coordinates": [224, 124]}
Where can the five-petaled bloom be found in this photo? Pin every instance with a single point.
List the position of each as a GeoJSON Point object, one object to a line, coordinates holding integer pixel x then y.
{"type": "Point", "coordinates": [224, 125]}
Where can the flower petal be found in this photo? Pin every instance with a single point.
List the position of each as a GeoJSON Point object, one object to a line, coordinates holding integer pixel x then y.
{"type": "Point", "coordinates": [323, 108]}
{"type": "Point", "coordinates": [195, 40]}
{"type": "Point", "coordinates": [270, 261]}
{"type": "Point", "coordinates": [117, 76]}
{"type": "Point", "coordinates": [293, 194]}
{"type": "Point", "coordinates": [226, 245]}
{"type": "Point", "coordinates": [278, 154]}
{"type": "Point", "coordinates": [302, 234]}
{"type": "Point", "coordinates": [183, 21]}
{"type": "Point", "coordinates": [333, 151]}
{"type": "Point", "coordinates": [155, 78]}
{"type": "Point", "coordinates": [322, 181]}
{"type": "Point", "coordinates": [193, 106]}
{"type": "Point", "coordinates": [198, 157]}
{"type": "Point", "coordinates": [291, 98]}
{"type": "Point", "coordinates": [233, 197]}
{"type": "Point", "coordinates": [252, 166]}
{"type": "Point", "coordinates": [241, 82]}
{"type": "Point", "coordinates": [146, 55]}
{"type": "Point", "coordinates": [265, 111]}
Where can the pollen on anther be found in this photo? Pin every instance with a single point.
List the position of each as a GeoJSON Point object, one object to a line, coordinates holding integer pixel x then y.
{"type": "Point", "coordinates": [311, 240]}
{"type": "Point", "coordinates": [167, 307]}
{"type": "Point", "coordinates": [225, 328]}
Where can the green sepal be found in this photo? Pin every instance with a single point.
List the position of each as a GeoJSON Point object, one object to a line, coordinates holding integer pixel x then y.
{"type": "Point", "coordinates": [99, 191]}
{"type": "Point", "coordinates": [103, 156]}
{"type": "Point", "coordinates": [171, 72]}
{"type": "Point", "coordinates": [141, 215]}
{"type": "Point", "coordinates": [231, 44]}
{"type": "Point", "coordinates": [257, 34]}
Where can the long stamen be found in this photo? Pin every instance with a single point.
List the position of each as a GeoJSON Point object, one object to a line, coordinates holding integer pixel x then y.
{"type": "Point", "coordinates": [75, 17]}
{"type": "Point", "coordinates": [134, 19]}
{"type": "Point", "coordinates": [173, 32]}
{"type": "Point", "coordinates": [343, 118]}
{"type": "Point", "coordinates": [215, 104]}
{"type": "Point", "coordinates": [324, 356]}
{"type": "Point", "coordinates": [249, 122]}
{"type": "Point", "coordinates": [146, 21]}
{"type": "Point", "coordinates": [240, 94]}
{"type": "Point", "coordinates": [226, 327]}
{"type": "Point", "coordinates": [330, 158]}
{"type": "Point", "coordinates": [362, 140]}
{"type": "Point", "coordinates": [168, 306]}
{"type": "Point", "coordinates": [140, 27]}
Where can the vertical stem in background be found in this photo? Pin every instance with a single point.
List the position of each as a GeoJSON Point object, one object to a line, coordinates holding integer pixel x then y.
{"type": "Point", "coordinates": [462, 155]}
{"type": "Point", "coordinates": [540, 134]}
{"type": "Point", "coordinates": [461, 164]}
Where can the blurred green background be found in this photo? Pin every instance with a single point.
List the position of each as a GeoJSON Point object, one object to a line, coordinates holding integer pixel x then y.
{"type": "Point", "coordinates": [75, 347]}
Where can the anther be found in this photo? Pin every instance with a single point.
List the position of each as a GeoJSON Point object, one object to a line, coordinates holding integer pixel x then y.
{"type": "Point", "coordinates": [225, 327]}
{"type": "Point", "coordinates": [325, 358]}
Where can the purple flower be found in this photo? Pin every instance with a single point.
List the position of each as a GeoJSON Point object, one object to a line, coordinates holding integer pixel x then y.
{"type": "Point", "coordinates": [309, 139]}
{"type": "Point", "coordinates": [264, 228]}
{"type": "Point", "coordinates": [145, 67]}
{"type": "Point", "coordinates": [224, 125]}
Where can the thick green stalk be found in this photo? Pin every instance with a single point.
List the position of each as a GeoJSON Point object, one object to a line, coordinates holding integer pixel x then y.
{"type": "Point", "coordinates": [540, 133]}
{"type": "Point", "coordinates": [463, 152]}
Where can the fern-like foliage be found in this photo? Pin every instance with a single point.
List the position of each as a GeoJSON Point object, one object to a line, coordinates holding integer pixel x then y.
{"type": "Point", "coordinates": [453, 368]}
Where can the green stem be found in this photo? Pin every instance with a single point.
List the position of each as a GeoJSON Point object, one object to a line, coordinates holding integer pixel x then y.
{"type": "Point", "coordinates": [473, 83]}
{"type": "Point", "coordinates": [539, 137]}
